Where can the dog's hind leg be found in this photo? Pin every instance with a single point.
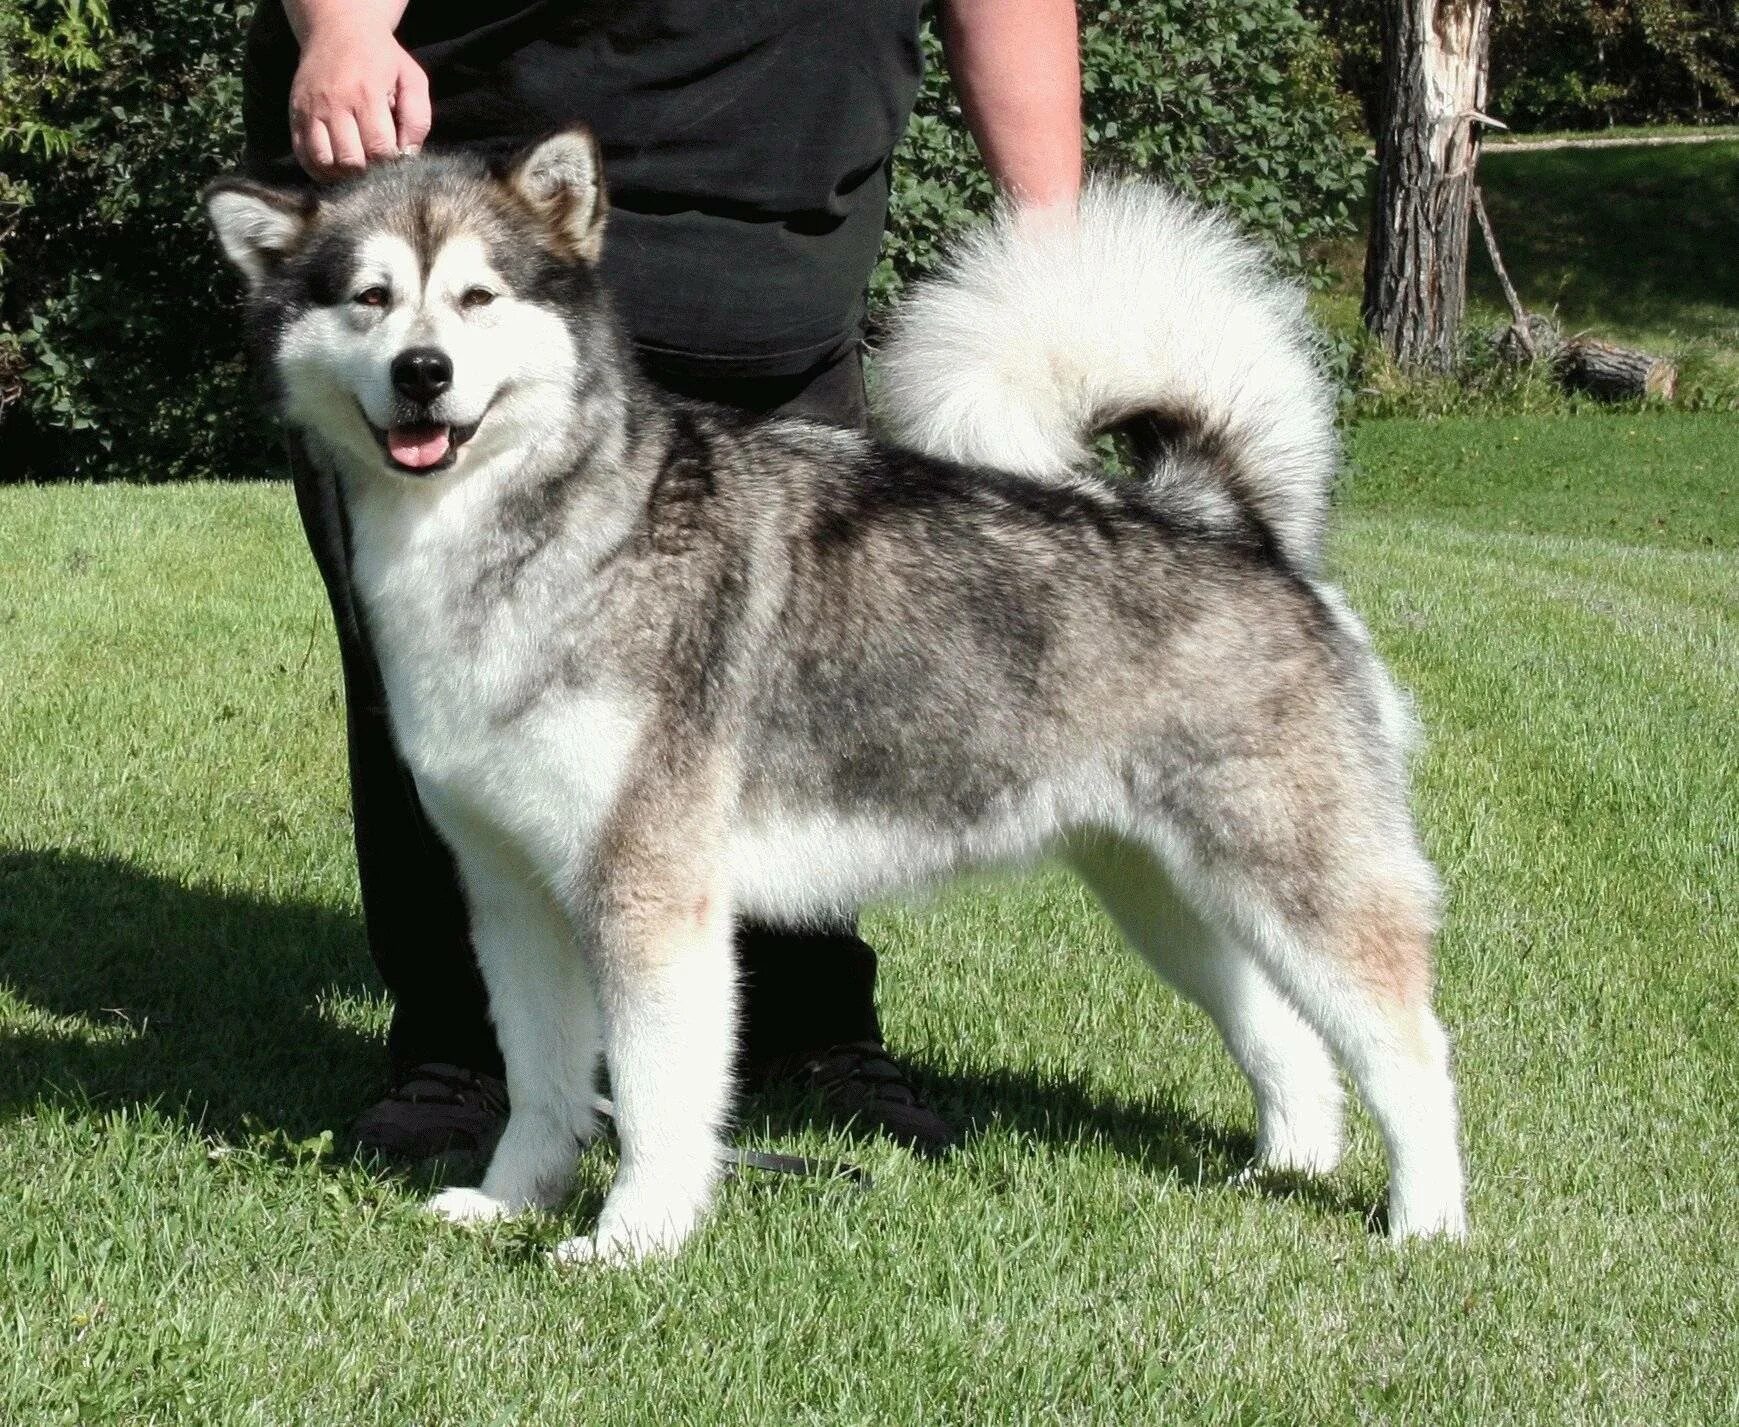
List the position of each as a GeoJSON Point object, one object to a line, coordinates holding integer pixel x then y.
{"type": "Point", "coordinates": [1361, 976]}
{"type": "Point", "coordinates": [1299, 1101]}
{"type": "Point", "coordinates": [1319, 876]}
{"type": "Point", "coordinates": [542, 1004]}
{"type": "Point", "coordinates": [667, 988]}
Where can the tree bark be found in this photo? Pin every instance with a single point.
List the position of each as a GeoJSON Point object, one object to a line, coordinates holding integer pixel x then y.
{"type": "Point", "coordinates": [1615, 373]}
{"type": "Point", "coordinates": [1435, 55]}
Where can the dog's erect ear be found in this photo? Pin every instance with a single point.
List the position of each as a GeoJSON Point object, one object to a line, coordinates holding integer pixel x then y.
{"type": "Point", "coordinates": [257, 225]}
{"type": "Point", "coordinates": [561, 178]}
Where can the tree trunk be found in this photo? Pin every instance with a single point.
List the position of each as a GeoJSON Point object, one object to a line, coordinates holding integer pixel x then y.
{"type": "Point", "coordinates": [1434, 75]}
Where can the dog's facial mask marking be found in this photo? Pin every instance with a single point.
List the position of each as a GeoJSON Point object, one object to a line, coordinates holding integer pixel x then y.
{"type": "Point", "coordinates": [492, 349]}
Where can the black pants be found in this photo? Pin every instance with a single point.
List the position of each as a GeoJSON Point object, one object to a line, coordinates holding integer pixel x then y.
{"type": "Point", "coordinates": [803, 990]}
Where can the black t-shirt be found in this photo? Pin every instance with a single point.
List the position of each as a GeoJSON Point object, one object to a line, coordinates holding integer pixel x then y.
{"type": "Point", "coordinates": [745, 143]}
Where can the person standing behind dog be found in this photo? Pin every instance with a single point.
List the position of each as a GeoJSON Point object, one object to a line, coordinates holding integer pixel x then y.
{"type": "Point", "coordinates": [746, 149]}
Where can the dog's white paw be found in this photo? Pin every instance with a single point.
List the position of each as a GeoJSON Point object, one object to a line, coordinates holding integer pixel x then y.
{"type": "Point", "coordinates": [649, 1215]}
{"type": "Point", "coordinates": [1306, 1136]}
{"type": "Point", "coordinates": [467, 1206]}
{"type": "Point", "coordinates": [1312, 1155]}
{"type": "Point", "coordinates": [620, 1241]}
{"type": "Point", "coordinates": [1294, 1156]}
{"type": "Point", "coordinates": [1446, 1221]}
{"type": "Point", "coordinates": [1270, 1174]}
{"type": "Point", "coordinates": [583, 1249]}
{"type": "Point", "coordinates": [610, 1251]}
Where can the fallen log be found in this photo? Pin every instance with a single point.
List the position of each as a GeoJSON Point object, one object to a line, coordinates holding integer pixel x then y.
{"type": "Point", "coordinates": [1611, 373]}
{"type": "Point", "coordinates": [1584, 363]}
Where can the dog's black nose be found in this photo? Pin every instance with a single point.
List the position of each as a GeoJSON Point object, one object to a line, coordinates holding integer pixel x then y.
{"type": "Point", "coordinates": [422, 373]}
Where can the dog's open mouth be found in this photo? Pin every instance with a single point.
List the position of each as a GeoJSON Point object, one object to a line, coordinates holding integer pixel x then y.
{"type": "Point", "coordinates": [424, 447]}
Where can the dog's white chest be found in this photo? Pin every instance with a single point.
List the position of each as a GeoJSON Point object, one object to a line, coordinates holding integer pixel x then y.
{"type": "Point", "coordinates": [489, 719]}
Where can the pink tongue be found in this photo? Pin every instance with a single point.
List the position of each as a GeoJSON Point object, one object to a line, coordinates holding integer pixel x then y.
{"type": "Point", "coordinates": [417, 446]}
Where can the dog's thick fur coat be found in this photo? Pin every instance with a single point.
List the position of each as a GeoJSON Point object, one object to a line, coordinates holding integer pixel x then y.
{"type": "Point", "coordinates": [655, 665]}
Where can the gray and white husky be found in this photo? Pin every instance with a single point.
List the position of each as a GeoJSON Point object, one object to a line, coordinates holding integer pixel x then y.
{"type": "Point", "coordinates": [656, 665]}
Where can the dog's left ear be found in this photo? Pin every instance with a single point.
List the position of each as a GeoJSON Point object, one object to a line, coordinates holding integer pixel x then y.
{"type": "Point", "coordinates": [561, 179]}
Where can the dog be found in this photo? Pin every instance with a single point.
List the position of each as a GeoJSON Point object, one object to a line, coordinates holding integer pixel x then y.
{"type": "Point", "coordinates": [655, 665]}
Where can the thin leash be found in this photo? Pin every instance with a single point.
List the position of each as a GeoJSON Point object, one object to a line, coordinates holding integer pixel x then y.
{"type": "Point", "coordinates": [736, 1158]}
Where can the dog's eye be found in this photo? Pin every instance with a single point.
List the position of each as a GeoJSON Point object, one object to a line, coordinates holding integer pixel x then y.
{"type": "Point", "coordinates": [476, 297]}
{"type": "Point", "coordinates": [372, 297]}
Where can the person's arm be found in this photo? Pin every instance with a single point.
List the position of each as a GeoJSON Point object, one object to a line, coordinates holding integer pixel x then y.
{"type": "Point", "coordinates": [357, 96]}
{"type": "Point", "coordinates": [1017, 64]}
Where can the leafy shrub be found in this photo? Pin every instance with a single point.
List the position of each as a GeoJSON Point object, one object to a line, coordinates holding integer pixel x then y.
{"type": "Point", "coordinates": [1587, 63]}
{"type": "Point", "coordinates": [1574, 64]}
{"type": "Point", "coordinates": [118, 343]}
{"type": "Point", "coordinates": [1231, 101]}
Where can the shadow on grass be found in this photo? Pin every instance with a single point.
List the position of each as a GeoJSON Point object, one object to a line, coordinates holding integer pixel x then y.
{"type": "Point", "coordinates": [1158, 1133]}
{"type": "Point", "coordinates": [1638, 237]}
{"type": "Point", "coordinates": [213, 1002]}
{"type": "Point", "coordinates": [211, 997]}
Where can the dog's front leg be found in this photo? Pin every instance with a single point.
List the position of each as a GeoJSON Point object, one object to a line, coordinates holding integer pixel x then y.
{"type": "Point", "coordinates": [666, 981]}
{"type": "Point", "coordinates": [542, 1004]}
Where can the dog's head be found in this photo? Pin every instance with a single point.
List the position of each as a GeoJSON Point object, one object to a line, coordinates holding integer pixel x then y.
{"type": "Point", "coordinates": [423, 316]}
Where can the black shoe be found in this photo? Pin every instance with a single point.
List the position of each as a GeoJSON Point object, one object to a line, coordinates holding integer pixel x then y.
{"type": "Point", "coordinates": [858, 1082]}
{"type": "Point", "coordinates": [434, 1109]}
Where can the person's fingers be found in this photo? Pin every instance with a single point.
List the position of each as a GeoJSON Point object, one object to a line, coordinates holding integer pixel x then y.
{"type": "Point", "coordinates": [411, 110]}
{"type": "Point", "coordinates": [348, 155]}
{"type": "Point", "coordinates": [312, 146]}
{"type": "Point", "coordinates": [345, 115]}
{"type": "Point", "coordinates": [299, 145]}
{"type": "Point", "coordinates": [375, 128]}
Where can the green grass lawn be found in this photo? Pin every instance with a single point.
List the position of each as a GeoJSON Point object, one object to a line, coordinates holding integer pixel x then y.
{"type": "Point", "coordinates": [185, 1006]}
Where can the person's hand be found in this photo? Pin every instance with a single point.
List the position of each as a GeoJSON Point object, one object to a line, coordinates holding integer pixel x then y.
{"type": "Point", "coordinates": [358, 97]}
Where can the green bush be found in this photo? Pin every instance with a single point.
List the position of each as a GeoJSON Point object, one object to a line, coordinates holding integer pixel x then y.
{"type": "Point", "coordinates": [118, 340]}
{"type": "Point", "coordinates": [1232, 101]}
{"type": "Point", "coordinates": [1574, 64]}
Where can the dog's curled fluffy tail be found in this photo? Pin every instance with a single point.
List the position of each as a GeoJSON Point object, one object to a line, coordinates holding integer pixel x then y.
{"type": "Point", "coordinates": [1143, 314]}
